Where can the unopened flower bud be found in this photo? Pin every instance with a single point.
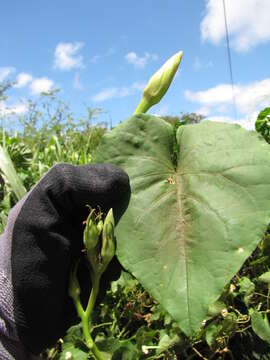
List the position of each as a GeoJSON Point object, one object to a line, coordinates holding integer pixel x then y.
{"type": "Point", "coordinates": [100, 226]}
{"type": "Point", "coordinates": [108, 241]}
{"type": "Point", "coordinates": [159, 83]}
{"type": "Point", "coordinates": [91, 233]}
{"type": "Point", "coordinates": [100, 249]}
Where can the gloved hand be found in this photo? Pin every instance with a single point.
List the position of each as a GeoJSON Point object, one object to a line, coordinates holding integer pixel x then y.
{"type": "Point", "coordinates": [42, 239]}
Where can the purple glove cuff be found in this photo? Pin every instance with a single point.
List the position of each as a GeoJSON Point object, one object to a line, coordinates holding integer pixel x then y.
{"type": "Point", "coordinates": [10, 347]}
{"type": "Point", "coordinates": [7, 325]}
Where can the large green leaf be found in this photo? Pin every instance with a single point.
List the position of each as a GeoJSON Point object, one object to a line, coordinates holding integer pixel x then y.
{"type": "Point", "coordinates": [189, 227]}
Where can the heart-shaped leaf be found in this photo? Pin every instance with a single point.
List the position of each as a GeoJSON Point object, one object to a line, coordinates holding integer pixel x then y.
{"type": "Point", "coordinates": [191, 225]}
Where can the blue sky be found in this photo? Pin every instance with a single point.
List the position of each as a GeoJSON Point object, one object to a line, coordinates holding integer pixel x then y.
{"type": "Point", "coordinates": [101, 54]}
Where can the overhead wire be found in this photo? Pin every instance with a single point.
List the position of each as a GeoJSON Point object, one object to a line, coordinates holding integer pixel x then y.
{"type": "Point", "coordinates": [229, 59]}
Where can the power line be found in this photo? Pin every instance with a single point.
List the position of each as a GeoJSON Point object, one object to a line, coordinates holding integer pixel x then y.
{"type": "Point", "coordinates": [229, 59]}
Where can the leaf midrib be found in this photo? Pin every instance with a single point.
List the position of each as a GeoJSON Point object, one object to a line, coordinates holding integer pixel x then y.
{"type": "Point", "coordinates": [182, 227]}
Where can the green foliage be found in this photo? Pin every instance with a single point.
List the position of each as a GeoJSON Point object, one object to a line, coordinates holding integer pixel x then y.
{"type": "Point", "coordinates": [129, 323]}
{"type": "Point", "coordinates": [10, 175]}
{"type": "Point", "coordinates": [263, 123]}
{"type": "Point", "coordinates": [4, 87]}
{"type": "Point", "coordinates": [260, 325]}
{"type": "Point", "coordinates": [47, 134]}
{"type": "Point", "coordinates": [184, 119]}
{"type": "Point", "coordinates": [176, 121]}
{"type": "Point", "coordinates": [193, 224]}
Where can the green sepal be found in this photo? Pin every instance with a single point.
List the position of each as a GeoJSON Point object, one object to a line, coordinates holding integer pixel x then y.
{"type": "Point", "coordinates": [74, 289]}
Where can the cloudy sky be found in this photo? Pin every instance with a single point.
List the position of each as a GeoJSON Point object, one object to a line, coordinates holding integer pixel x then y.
{"type": "Point", "coordinates": [100, 54]}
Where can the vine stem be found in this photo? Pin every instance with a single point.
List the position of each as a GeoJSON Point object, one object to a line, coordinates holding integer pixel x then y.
{"type": "Point", "coordinates": [85, 316]}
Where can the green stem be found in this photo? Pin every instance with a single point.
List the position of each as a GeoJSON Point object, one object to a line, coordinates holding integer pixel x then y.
{"type": "Point", "coordinates": [268, 295]}
{"type": "Point", "coordinates": [85, 325]}
{"type": "Point", "coordinates": [88, 338]}
{"type": "Point", "coordinates": [86, 332]}
{"type": "Point", "coordinates": [143, 106]}
{"type": "Point", "coordinates": [94, 293]}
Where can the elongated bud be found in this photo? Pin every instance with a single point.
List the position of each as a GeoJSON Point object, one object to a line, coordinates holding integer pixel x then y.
{"type": "Point", "coordinates": [91, 238]}
{"type": "Point", "coordinates": [108, 241]}
{"type": "Point", "coordinates": [100, 226]}
{"type": "Point", "coordinates": [159, 83]}
{"type": "Point", "coordinates": [100, 249]}
{"type": "Point", "coordinates": [74, 289]}
{"type": "Point", "coordinates": [91, 233]}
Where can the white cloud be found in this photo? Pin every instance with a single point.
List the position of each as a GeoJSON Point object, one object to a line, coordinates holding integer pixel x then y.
{"type": "Point", "coordinates": [248, 97]}
{"type": "Point", "coordinates": [204, 110]}
{"type": "Point", "coordinates": [114, 92]}
{"type": "Point", "coordinates": [219, 94]}
{"type": "Point", "coordinates": [105, 94]}
{"type": "Point", "coordinates": [94, 59]}
{"type": "Point", "coordinates": [248, 22]}
{"type": "Point", "coordinates": [23, 79]}
{"type": "Point", "coordinates": [138, 86]}
{"type": "Point", "coordinates": [67, 57]}
{"type": "Point", "coordinates": [199, 64]}
{"type": "Point", "coordinates": [40, 85]}
{"type": "Point", "coordinates": [162, 110]}
{"type": "Point", "coordinates": [97, 57]}
{"type": "Point", "coordinates": [14, 109]}
{"type": "Point", "coordinates": [140, 62]}
{"type": "Point", "coordinates": [117, 92]}
{"type": "Point", "coordinates": [248, 122]}
{"type": "Point", "coordinates": [6, 72]}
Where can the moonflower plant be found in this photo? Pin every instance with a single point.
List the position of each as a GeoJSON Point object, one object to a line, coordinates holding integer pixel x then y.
{"type": "Point", "coordinates": [98, 237]}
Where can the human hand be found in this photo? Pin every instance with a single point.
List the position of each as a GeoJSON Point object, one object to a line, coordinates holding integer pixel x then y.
{"type": "Point", "coordinates": [44, 236]}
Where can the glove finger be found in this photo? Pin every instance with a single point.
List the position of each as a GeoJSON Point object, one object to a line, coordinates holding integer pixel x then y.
{"type": "Point", "coordinates": [98, 185]}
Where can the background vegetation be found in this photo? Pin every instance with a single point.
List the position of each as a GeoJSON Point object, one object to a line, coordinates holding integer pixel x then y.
{"type": "Point", "coordinates": [129, 324]}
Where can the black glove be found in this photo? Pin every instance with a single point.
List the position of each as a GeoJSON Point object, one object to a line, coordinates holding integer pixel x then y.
{"type": "Point", "coordinates": [46, 230]}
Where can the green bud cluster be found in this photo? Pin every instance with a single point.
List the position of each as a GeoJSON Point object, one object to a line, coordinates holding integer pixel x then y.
{"type": "Point", "coordinates": [99, 240]}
